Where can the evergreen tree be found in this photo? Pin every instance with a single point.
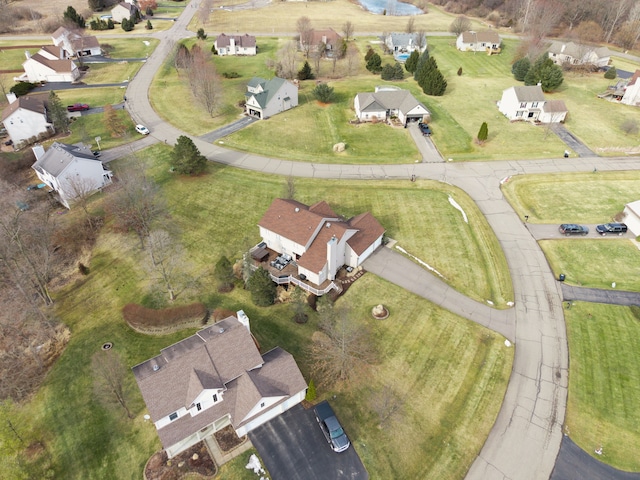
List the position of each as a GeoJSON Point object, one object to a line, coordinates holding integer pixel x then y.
{"type": "Point", "coordinates": [611, 74]}
{"type": "Point", "coordinates": [374, 65]}
{"type": "Point", "coordinates": [323, 93]}
{"type": "Point", "coordinates": [127, 25]}
{"type": "Point", "coordinates": [96, 5]}
{"type": "Point", "coordinates": [223, 273]}
{"type": "Point", "coordinates": [483, 134]}
{"type": "Point", "coordinates": [421, 61]}
{"type": "Point", "coordinates": [520, 68]}
{"type": "Point", "coordinates": [387, 72]}
{"type": "Point", "coordinates": [412, 62]}
{"type": "Point", "coordinates": [305, 72]}
{"type": "Point", "coordinates": [545, 72]}
{"type": "Point", "coordinates": [200, 34]}
{"type": "Point", "coordinates": [398, 72]}
{"type": "Point", "coordinates": [110, 25]}
{"type": "Point", "coordinates": [149, 11]}
{"type": "Point", "coordinates": [57, 113]}
{"type": "Point", "coordinates": [149, 26]}
{"type": "Point", "coordinates": [262, 288]}
{"type": "Point", "coordinates": [186, 158]}
{"type": "Point", "coordinates": [74, 17]}
{"type": "Point", "coordinates": [369, 53]}
{"type": "Point", "coordinates": [460, 72]}
{"type": "Point", "coordinates": [430, 78]}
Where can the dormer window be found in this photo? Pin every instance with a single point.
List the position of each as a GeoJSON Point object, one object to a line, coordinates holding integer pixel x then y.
{"type": "Point", "coordinates": [215, 397]}
{"type": "Point", "coordinates": [262, 405]}
{"type": "Point", "coordinates": [198, 407]}
{"type": "Point", "coordinates": [173, 416]}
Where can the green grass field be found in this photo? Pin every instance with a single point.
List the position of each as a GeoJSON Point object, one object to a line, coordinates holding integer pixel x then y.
{"type": "Point", "coordinates": [100, 73]}
{"type": "Point", "coordinates": [604, 383]}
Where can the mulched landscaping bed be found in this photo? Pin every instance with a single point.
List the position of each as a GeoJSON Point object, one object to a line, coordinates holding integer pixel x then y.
{"type": "Point", "coordinates": [159, 468]}
{"type": "Point", "coordinates": [227, 439]}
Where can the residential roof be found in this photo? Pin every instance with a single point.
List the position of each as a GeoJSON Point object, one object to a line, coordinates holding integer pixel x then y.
{"type": "Point", "coordinates": [60, 156]}
{"type": "Point", "coordinates": [245, 41]}
{"type": "Point", "coordinates": [34, 103]}
{"type": "Point", "coordinates": [369, 230]}
{"type": "Point", "coordinates": [529, 93]}
{"type": "Point", "coordinates": [269, 89]}
{"type": "Point", "coordinates": [634, 78]}
{"type": "Point", "coordinates": [554, 106]}
{"type": "Point", "coordinates": [318, 36]}
{"type": "Point", "coordinates": [221, 356]}
{"type": "Point", "coordinates": [53, 50]}
{"type": "Point", "coordinates": [475, 37]}
{"type": "Point", "coordinates": [577, 50]}
{"type": "Point", "coordinates": [405, 39]}
{"type": "Point", "coordinates": [79, 42]}
{"type": "Point", "coordinates": [60, 32]}
{"type": "Point", "coordinates": [402, 100]}
{"type": "Point", "coordinates": [129, 6]}
{"type": "Point", "coordinates": [63, 65]}
{"type": "Point", "coordinates": [315, 258]}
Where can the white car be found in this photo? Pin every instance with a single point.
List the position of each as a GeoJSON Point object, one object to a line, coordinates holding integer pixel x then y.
{"type": "Point", "coordinates": [142, 129]}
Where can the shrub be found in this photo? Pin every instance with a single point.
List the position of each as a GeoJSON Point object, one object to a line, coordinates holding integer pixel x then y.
{"type": "Point", "coordinates": [201, 35]}
{"type": "Point", "coordinates": [374, 65]}
{"type": "Point", "coordinates": [611, 74]}
{"type": "Point", "coordinates": [483, 134]}
{"type": "Point", "coordinates": [148, 319]}
{"type": "Point", "coordinates": [311, 391]}
{"type": "Point", "coordinates": [369, 53]}
{"type": "Point", "coordinates": [305, 72]}
{"type": "Point", "coordinates": [22, 88]}
{"type": "Point", "coordinates": [323, 93]}
{"type": "Point", "coordinates": [460, 72]}
{"type": "Point", "coordinates": [149, 26]}
{"type": "Point", "coordinates": [231, 75]}
{"type": "Point", "coordinates": [83, 269]}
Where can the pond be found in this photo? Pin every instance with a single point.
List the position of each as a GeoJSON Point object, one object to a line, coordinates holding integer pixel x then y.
{"type": "Point", "coordinates": [392, 7]}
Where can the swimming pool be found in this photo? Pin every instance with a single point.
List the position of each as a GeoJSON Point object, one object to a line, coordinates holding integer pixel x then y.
{"type": "Point", "coordinates": [402, 57]}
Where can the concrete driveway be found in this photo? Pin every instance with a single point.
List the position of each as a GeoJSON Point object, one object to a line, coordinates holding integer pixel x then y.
{"type": "Point", "coordinates": [292, 447]}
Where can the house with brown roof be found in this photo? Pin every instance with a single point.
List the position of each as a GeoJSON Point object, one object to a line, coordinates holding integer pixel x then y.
{"type": "Point", "coordinates": [235, 44]}
{"type": "Point", "coordinates": [319, 241]}
{"type": "Point", "coordinates": [48, 65]}
{"type": "Point", "coordinates": [216, 378]}
{"type": "Point", "coordinates": [478, 42]}
{"type": "Point", "coordinates": [26, 118]}
{"type": "Point", "coordinates": [74, 44]}
{"type": "Point", "coordinates": [631, 94]}
{"type": "Point", "coordinates": [326, 41]}
{"type": "Point", "coordinates": [529, 103]}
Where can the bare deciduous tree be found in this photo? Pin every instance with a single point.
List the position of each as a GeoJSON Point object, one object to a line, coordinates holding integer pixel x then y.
{"type": "Point", "coordinates": [616, 11]}
{"type": "Point", "coordinates": [80, 189]}
{"type": "Point", "coordinates": [166, 257]}
{"type": "Point", "coordinates": [110, 375]}
{"type": "Point", "coordinates": [287, 59]}
{"type": "Point", "coordinates": [347, 30]}
{"type": "Point", "coordinates": [459, 25]}
{"type": "Point", "coordinates": [204, 81]}
{"type": "Point", "coordinates": [290, 188]}
{"type": "Point", "coordinates": [304, 29]}
{"type": "Point", "coordinates": [411, 25]}
{"type": "Point", "coordinates": [352, 59]}
{"type": "Point", "coordinates": [204, 11]}
{"type": "Point", "coordinates": [387, 404]}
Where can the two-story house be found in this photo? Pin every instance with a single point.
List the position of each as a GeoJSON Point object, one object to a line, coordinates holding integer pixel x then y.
{"type": "Point", "coordinates": [48, 65]}
{"type": "Point", "coordinates": [528, 103]}
{"type": "Point", "coordinates": [70, 170]}
{"type": "Point", "coordinates": [265, 98]}
{"type": "Point", "coordinates": [26, 118]}
{"type": "Point", "coordinates": [74, 44]}
{"type": "Point", "coordinates": [326, 42]}
{"type": "Point", "coordinates": [235, 44]}
{"type": "Point", "coordinates": [216, 378]}
{"type": "Point", "coordinates": [319, 241]}
{"type": "Point", "coordinates": [122, 10]}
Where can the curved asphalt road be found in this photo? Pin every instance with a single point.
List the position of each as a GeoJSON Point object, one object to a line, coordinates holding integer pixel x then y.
{"type": "Point", "coordinates": [525, 439]}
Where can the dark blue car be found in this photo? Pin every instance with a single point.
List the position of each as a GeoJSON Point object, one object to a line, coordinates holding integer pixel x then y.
{"type": "Point", "coordinates": [331, 427]}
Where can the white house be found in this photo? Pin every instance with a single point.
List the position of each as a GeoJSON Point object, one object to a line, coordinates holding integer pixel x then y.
{"type": "Point", "coordinates": [74, 44]}
{"type": "Point", "coordinates": [631, 214]}
{"type": "Point", "coordinates": [578, 54]}
{"type": "Point", "coordinates": [124, 10]}
{"type": "Point", "coordinates": [26, 118]}
{"type": "Point", "coordinates": [70, 170]}
{"type": "Point", "coordinates": [48, 65]}
{"type": "Point", "coordinates": [389, 101]}
{"type": "Point", "coordinates": [265, 98]}
{"type": "Point", "coordinates": [478, 41]}
{"type": "Point", "coordinates": [319, 241]}
{"type": "Point", "coordinates": [528, 103]}
{"type": "Point", "coordinates": [235, 44]}
{"type": "Point", "coordinates": [632, 90]}
{"type": "Point", "coordinates": [216, 378]}
{"type": "Point", "coordinates": [405, 42]}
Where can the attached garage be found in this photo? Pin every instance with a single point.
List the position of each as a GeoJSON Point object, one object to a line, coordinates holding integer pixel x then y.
{"type": "Point", "coordinates": [632, 216]}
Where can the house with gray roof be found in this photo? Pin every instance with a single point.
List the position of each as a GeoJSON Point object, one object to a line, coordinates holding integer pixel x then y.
{"type": "Point", "coordinates": [571, 53]}
{"type": "Point", "coordinates": [235, 44]}
{"type": "Point", "coordinates": [479, 42]}
{"type": "Point", "coordinates": [70, 170]}
{"type": "Point", "coordinates": [26, 118]}
{"type": "Point", "coordinates": [265, 98]}
{"type": "Point", "coordinates": [216, 378]}
{"type": "Point", "coordinates": [405, 42]}
{"type": "Point", "coordinates": [388, 102]}
{"type": "Point", "coordinates": [528, 103]}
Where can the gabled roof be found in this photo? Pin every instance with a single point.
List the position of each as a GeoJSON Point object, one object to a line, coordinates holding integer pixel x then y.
{"type": "Point", "coordinates": [60, 156]}
{"type": "Point", "coordinates": [634, 78]}
{"type": "Point", "coordinates": [369, 230]}
{"type": "Point", "coordinates": [33, 103]}
{"type": "Point", "coordinates": [406, 39]}
{"type": "Point", "coordinates": [245, 41]}
{"type": "Point", "coordinates": [554, 106]}
{"type": "Point", "coordinates": [315, 258]}
{"type": "Point", "coordinates": [579, 51]}
{"type": "Point", "coordinates": [529, 93]}
{"type": "Point", "coordinates": [332, 37]}
{"type": "Point", "coordinates": [60, 32]}
{"type": "Point", "coordinates": [64, 65]}
{"type": "Point", "coordinates": [270, 89]}
{"type": "Point", "coordinates": [475, 37]}
{"type": "Point", "coordinates": [129, 6]}
{"type": "Point", "coordinates": [399, 99]}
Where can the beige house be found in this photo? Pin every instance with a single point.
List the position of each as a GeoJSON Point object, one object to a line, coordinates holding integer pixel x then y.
{"type": "Point", "coordinates": [216, 378]}
{"type": "Point", "coordinates": [124, 10]}
{"type": "Point", "coordinates": [26, 118]}
{"type": "Point", "coordinates": [235, 44]}
{"type": "Point", "coordinates": [570, 53]}
{"type": "Point", "coordinates": [389, 101]}
{"type": "Point", "coordinates": [478, 41]}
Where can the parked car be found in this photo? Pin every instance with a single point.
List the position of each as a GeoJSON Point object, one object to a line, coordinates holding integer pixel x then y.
{"type": "Point", "coordinates": [77, 107]}
{"type": "Point", "coordinates": [425, 129]}
{"type": "Point", "coordinates": [331, 427]}
{"type": "Point", "coordinates": [142, 129]}
{"type": "Point", "coordinates": [611, 228]}
{"type": "Point", "coordinates": [573, 229]}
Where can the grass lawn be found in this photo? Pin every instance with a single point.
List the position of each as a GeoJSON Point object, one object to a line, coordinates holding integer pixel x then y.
{"type": "Point", "coordinates": [85, 128]}
{"type": "Point", "coordinates": [130, 47]}
{"type": "Point", "coordinates": [95, 97]}
{"type": "Point", "coordinates": [235, 469]}
{"type": "Point", "coordinates": [572, 197]}
{"type": "Point", "coordinates": [604, 384]}
{"type": "Point", "coordinates": [100, 73]}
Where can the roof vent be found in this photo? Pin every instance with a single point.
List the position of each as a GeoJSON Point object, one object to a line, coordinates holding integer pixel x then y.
{"type": "Point", "coordinates": [328, 225]}
{"type": "Point", "coordinates": [297, 210]}
{"type": "Point", "coordinates": [156, 367]}
{"type": "Point", "coordinates": [221, 330]}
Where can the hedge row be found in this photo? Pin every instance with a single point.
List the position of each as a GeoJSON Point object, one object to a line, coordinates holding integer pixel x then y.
{"type": "Point", "coordinates": [147, 320]}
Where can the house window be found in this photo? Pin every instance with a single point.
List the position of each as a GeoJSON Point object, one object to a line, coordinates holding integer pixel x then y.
{"type": "Point", "coordinates": [534, 104]}
{"type": "Point", "coordinates": [523, 104]}
{"type": "Point", "coordinates": [519, 113]}
{"type": "Point", "coordinates": [215, 397]}
{"type": "Point", "coordinates": [262, 405]}
{"type": "Point", "coordinates": [173, 416]}
{"type": "Point", "coordinates": [198, 407]}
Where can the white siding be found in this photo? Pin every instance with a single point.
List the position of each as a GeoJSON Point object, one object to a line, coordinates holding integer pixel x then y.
{"type": "Point", "coordinates": [631, 218]}
{"type": "Point", "coordinates": [24, 124]}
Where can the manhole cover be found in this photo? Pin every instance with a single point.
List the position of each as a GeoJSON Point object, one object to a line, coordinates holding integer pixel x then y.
{"type": "Point", "coordinates": [107, 346]}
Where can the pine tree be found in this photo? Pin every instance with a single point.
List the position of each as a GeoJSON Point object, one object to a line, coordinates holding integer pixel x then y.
{"type": "Point", "coordinates": [520, 68]}
{"type": "Point", "coordinates": [421, 61]}
{"type": "Point", "coordinates": [460, 72]}
{"type": "Point", "coordinates": [57, 113]}
{"type": "Point", "coordinates": [611, 74]}
{"type": "Point", "coordinates": [430, 78]}
{"type": "Point", "coordinates": [305, 72]}
{"type": "Point", "coordinates": [149, 26]}
{"type": "Point", "coordinates": [374, 65]}
{"type": "Point", "coordinates": [412, 62]}
{"type": "Point", "coordinates": [387, 72]}
{"type": "Point", "coordinates": [73, 16]}
{"type": "Point", "coordinates": [369, 53]}
{"type": "Point", "coordinates": [483, 134]}
{"type": "Point", "coordinates": [323, 93]}
{"type": "Point", "coordinates": [262, 288]}
{"type": "Point", "coordinates": [186, 158]}
{"type": "Point", "coordinates": [398, 72]}
{"type": "Point", "coordinates": [223, 273]}
{"type": "Point", "coordinates": [110, 24]}
{"type": "Point", "coordinates": [201, 35]}
{"type": "Point", "coordinates": [545, 72]}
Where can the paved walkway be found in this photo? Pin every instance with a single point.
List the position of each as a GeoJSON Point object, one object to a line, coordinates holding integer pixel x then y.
{"type": "Point", "coordinates": [221, 457]}
{"type": "Point", "coordinates": [525, 439]}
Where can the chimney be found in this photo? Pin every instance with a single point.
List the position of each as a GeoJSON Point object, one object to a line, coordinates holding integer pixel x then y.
{"type": "Point", "coordinates": [27, 54]}
{"type": "Point", "coordinates": [562, 48]}
{"type": "Point", "coordinates": [11, 97]}
{"type": "Point", "coordinates": [332, 257]}
{"type": "Point", "coordinates": [243, 319]}
{"type": "Point", "coordinates": [38, 151]}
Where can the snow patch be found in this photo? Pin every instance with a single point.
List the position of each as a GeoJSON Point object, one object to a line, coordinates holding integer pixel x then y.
{"type": "Point", "coordinates": [146, 42]}
{"type": "Point", "coordinates": [507, 343]}
{"type": "Point", "coordinates": [254, 464]}
{"type": "Point", "coordinates": [459, 208]}
{"type": "Point", "coordinates": [424, 264]}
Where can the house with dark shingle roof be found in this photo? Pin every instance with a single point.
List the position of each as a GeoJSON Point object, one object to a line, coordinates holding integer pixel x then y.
{"type": "Point", "coordinates": [26, 118]}
{"type": "Point", "coordinates": [48, 65]}
{"type": "Point", "coordinates": [70, 170]}
{"type": "Point", "coordinates": [528, 103]}
{"type": "Point", "coordinates": [265, 98]}
{"type": "Point", "coordinates": [325, 41]}
{"type": "Point", "coordinates": [124, 10]}
{"type": "Point", "coordinates": [75, 44]}
{"type": "Point", "coordinates": [235, 44]}
{"type": "Point", "coordinates": [319, 241]}
{"type": "Point", "coordinates": [571, 53]}
{"type": "Point", "coordinates": [478, 42]}
{"type": "Point", "coordinates": [388, 102]}
{"type": "Point", "coordinates": [216, 378]}
{"type": "Point", "coordinates": [406, 42]}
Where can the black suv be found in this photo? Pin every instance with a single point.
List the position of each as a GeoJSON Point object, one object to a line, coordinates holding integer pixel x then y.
{"type": "Point", "coordinates": [573, 229]}
{"type": "Point", "coordinates": [425, 129]}
{"type": "Point", "coordinates": [611, 228]}
{"type": "Point", "coordinates": [331, 427]}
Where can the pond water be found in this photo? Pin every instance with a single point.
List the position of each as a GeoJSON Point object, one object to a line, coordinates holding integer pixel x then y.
{"type": "Point", "coordinates": [392, 7]}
